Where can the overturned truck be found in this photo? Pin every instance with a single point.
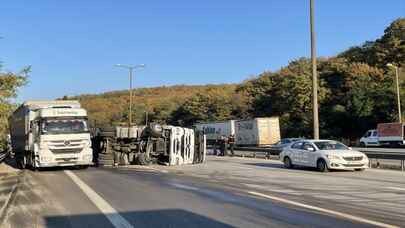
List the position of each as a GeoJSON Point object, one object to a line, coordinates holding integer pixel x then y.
{"type": "Point", "coordinates": [152, 144]}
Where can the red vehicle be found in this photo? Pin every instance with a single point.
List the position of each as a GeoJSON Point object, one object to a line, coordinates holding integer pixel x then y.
{"type": "Point", "coordinates": [391, 133]}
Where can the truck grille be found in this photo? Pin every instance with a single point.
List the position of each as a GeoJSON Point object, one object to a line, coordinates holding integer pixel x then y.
{"type": "Point", "coordinates": [66, 151]}
{"type": "Point", "coordinates": [64, 143]}
{"type": "Point", "coordinates": [353, 158]}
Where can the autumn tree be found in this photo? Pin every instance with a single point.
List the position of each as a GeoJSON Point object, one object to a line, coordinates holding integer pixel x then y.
{"type": "Point", "coordinates": [9, 84]}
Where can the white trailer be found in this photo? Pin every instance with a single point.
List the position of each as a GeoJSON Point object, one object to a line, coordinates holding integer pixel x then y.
{"type": "Point", "coordinates": [50, 133]}
{"type": "Point", "coordinates": [257, 132]}
{"type": "Point", "coordinates": [214, 130]}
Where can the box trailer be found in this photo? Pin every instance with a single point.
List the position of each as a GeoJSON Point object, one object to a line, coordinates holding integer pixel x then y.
{"type": "Point", "coordinates": [214, 130]}
{"type": "Point", "coordinates": [257, 132]}
{"type": "Point", "coordinates": [50, 133]}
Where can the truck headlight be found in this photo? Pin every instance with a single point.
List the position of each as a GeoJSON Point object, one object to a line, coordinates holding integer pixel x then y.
{"type": "Point", "coordinates": [46, 159]}
{"type": "Point", "coordinates": [88, 157]}
{"type": "Point", "coordinates": [43, 146]}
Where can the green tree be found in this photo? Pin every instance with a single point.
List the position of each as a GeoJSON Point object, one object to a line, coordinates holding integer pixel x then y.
{"type": "Point", "coordinates": [9, 84]}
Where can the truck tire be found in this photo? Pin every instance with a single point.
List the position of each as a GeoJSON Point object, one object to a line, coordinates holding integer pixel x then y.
{"type": "Point", "coordinates": [21, 161]}
{"type": "Point", "coordinates": [142, 159]}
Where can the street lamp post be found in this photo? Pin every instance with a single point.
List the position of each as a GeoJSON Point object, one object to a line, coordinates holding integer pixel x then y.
{"type": "Point", "coordinates": [314, 74]}
{"type": "Point", "coordinates": [397, 88]}
{"type": "Point", "coordinates": [130, 69]}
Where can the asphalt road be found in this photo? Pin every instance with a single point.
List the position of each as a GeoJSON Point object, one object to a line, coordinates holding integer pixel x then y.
{"type": "Point", "coordinates": [224, 192]}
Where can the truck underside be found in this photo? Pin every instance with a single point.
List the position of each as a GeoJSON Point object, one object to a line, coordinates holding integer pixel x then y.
{"type": "Point", "coordinates": [154, 144]}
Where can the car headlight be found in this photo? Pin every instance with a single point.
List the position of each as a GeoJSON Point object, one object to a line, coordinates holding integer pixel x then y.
{"type": "Point", "coordinates": [333, 157]}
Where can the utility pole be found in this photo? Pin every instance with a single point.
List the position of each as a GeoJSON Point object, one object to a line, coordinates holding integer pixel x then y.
{"type": "Point", "coordinates": [314, 74]}
{"type": "Point", "coordinates": [397, 88]}
{"type": "Point", "coordinates": [130, 69]}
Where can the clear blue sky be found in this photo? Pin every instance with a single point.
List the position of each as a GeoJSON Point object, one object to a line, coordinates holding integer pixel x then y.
{"type": "Point", "coordinates": [72, 45]}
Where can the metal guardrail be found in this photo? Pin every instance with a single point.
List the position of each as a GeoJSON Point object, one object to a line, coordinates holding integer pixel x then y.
{"type": "Point", "coordinates": [377, 153]}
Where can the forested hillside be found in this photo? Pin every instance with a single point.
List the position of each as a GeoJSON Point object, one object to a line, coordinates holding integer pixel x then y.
{"type": "Point", "coordinates": [356, 92]}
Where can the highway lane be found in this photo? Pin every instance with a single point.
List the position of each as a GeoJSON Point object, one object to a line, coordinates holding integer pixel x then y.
{"type": "Point", "coordinates": [219, 193]}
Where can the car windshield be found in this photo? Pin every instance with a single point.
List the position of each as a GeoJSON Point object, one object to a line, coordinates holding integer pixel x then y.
{"type": "Point", "coordinates": [68, 126]}
{"type": "Point", "coordinates": [330, 145]}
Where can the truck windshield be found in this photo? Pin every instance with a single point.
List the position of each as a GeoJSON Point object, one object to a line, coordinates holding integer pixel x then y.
{"type": "Point", "coordinates": [58, 126]}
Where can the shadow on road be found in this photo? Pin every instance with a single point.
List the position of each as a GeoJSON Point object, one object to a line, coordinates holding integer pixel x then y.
{"type": "Point", "coordinates": [281, 166]}
{"type": "Point", "coordinates": [152, 218]}
{"type": "Point", "coordinates": [267, 165]}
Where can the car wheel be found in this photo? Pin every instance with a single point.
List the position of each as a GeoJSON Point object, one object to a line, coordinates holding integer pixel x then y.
{"type": "Point", "coordinates": [322, 166]}
{"type": "Point", "coordinates": [359, 170]}
{"type": "Point", "coordinates": [287, 163]}
{"type": "Point", "coordinates": [362, 144]}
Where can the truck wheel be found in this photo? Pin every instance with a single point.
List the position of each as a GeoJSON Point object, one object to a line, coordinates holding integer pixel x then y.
{"type": "Point", "coordinates": [21, 162]}
{"type": "Point", "coordinates": [142, 159]}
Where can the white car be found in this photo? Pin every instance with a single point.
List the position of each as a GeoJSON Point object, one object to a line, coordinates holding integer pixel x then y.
{"type": "Point", "coordinates": [323, 155]}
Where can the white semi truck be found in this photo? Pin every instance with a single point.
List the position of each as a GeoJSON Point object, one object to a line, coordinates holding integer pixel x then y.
{"type": "Point", "coordinates": [49, 134]}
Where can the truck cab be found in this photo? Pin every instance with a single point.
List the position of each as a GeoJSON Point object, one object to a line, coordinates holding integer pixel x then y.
{"type": "Point", "coordinates": [370, 138]}
{"type": "Point", "coordinates": [50, 134]}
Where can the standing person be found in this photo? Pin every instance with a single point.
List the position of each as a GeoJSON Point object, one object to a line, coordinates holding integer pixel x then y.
{"type": "Point", "coordinates": [222, 145]}
{"type": "Point", "coordinates": [216, 145]}
{"type": "Point", "coordinates": [231, 142]}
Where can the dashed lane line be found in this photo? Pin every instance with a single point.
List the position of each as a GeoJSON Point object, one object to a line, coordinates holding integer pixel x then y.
{"type": "Point", "coordinates": [112, 215]}
{"type": "Point", "coordinates": [335, 213]}
{"type": "Point", "coordinates": [396, 188]}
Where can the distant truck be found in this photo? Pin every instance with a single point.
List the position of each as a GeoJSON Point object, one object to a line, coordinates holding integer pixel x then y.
{"type": "Point", "coordinates": [257, 132]}
{"type": "Point", "coordinates": [388, 134]}
{"type": "Point", "coordinates": [49, 134]}
{"type": "Point", "coordinates": [254, 132]}
{"type": "Point", "coordinates": [213, 130]}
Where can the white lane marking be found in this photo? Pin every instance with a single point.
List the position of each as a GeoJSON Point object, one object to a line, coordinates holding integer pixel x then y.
{"type": "Point", "coordinates": [115, 218]}
{"type": "Point", "coordinates": [182, 186]}
{"type": "Point", "coordinates": [344, 215]}
{"type": "Point", "coordinates": [396, 188]}
{"type": "Point", "coordinates": [2, 209]}
{"type": "Point", "coordinates": [264, 187]}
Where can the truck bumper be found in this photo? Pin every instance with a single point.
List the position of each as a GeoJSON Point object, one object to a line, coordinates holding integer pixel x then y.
{"type": "Point", "coordinates": [64, 164]}
{"type": "Point", "coordinates": [49, 159]}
